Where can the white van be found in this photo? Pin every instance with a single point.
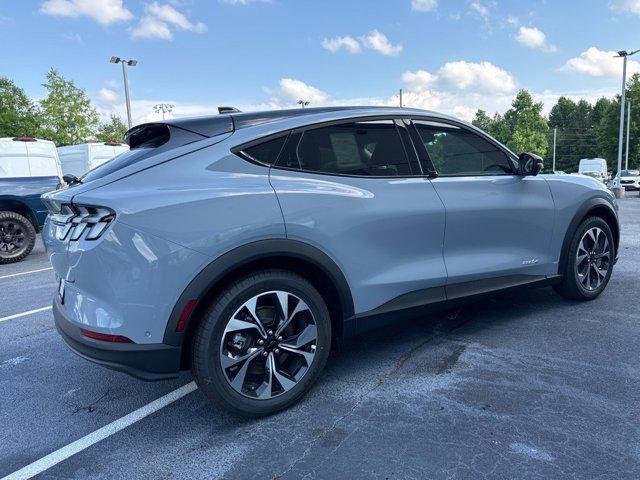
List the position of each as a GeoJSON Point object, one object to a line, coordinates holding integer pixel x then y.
{"type": "Point", "coordinates": [594, 167]}
{"type": "Point", "coordinates": [79, 159]}
{"type": "Point", "coordinates": [23, 157]}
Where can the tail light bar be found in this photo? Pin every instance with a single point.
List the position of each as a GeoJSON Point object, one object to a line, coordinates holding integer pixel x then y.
{"type": "Point", "coordinates": [72, 221]}
{"type": "Point", "coordinates": [105, 337]}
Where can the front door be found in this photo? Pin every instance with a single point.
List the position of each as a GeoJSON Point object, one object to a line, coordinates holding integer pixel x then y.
{"type": "Point", "coordinates": [498, 223]}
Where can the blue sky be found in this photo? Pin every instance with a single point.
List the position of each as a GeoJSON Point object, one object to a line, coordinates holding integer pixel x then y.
{"type": "Point", "coordinates": [448, 55]}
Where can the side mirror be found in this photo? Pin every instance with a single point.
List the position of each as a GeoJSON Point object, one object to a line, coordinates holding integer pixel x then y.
{"type": "Point", "coordinates": [530, 164]}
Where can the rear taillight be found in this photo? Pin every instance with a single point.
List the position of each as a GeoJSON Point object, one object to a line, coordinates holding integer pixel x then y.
{"type": "Point", "coordinates": [73, 222]}
{"type": "Point", "coordinates": [105, 337]}
{"type": "Point", "coordinates": [24, 139]}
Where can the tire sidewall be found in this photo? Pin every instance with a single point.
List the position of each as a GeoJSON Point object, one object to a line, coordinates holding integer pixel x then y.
{"type": "Point", "coordinates": [588, 224]}
{"type": "Point", "coordinates": [30, 239]}
{"type": "Point", "coordinates": [209, 368]}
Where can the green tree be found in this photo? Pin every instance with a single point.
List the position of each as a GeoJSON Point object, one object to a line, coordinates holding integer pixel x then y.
{"type": "Point", "coordinates": [608, 127]}
{"type": "Point", "coordinates": [527, 125]}
{"type": "Point", "coordinates": [112, 131]}
{"type": "Point", "coordinates": [18, 115]}
{"type": "Point", "coordinates": [68, 115]}
{"type": "Point", "coordinates": [482, 121]}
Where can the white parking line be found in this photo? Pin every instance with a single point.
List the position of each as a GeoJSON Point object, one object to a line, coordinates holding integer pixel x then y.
{"type": "Point", "coordinates": [25, 273]}
{"type": "Point", "coordinates": [24, 314]}
{"type": "Point", "coordinates": [85, 442]}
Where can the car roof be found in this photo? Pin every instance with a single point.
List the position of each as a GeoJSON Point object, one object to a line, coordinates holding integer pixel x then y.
{"type": "Point", "coordinates": [212, 125]}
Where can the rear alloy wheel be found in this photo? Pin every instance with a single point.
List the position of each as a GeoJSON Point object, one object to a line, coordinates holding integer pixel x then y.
{"type": "Point", "coordinates": [262, 343]}
{"type": "Point", "coordinates": [590, 261]}
{"type": "Point", "coordinates": [17, 237]}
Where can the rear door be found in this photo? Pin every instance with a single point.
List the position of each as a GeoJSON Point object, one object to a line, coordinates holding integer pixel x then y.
{"type": "Point", "coordinates": [349, 189]}
{"type": "Point", "coordinates": [498, 223]}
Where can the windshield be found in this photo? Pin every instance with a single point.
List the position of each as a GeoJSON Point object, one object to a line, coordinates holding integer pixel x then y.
{"type": "Point", "coordinates": [630, 173]}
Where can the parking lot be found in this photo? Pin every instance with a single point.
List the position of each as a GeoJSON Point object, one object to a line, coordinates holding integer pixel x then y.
{"type": "Point", "coordinates": [525, 385]}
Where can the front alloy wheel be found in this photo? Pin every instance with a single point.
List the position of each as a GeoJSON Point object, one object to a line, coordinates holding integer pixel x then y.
{"type": "Point", "coordinates": [589, 263]}
{"type": "Point", "coordinates": [593, 259]}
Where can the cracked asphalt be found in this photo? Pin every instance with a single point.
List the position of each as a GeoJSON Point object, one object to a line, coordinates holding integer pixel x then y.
{"type": "Point", "coordinates": [523, 385]}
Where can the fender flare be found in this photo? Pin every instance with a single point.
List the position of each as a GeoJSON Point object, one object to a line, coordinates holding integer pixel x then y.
{"type": "Point", "coordinates": [579, 216]}
{"type": "Point", "coordinates": [245, 254]}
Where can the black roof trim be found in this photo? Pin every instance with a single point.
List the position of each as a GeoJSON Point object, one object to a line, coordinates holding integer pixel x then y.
{"type": "Point", "coordinates": [212, 125]}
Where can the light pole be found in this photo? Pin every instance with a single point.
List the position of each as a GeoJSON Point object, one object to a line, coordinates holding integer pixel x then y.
{"type": "Point", "coordinates": [617, 186]}
{"type": "Point", "coordinates": [131, 63]}
{"type": "Point", "coordinates": [303, 103]}
{"type": "Point", "coordinates": [555, 131]}
{"type": "Point", "coordinates": [164, 108]}
{"type": "Point", "coordinates": [626, 158]}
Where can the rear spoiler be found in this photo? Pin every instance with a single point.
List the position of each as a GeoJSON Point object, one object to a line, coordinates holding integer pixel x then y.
{"type": "Point", "coordinates": [158, 133]}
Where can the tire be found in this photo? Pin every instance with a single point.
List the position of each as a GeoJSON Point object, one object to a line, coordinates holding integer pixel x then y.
{"type": "Point", "coordinates": [576, 284]}
{"type": "Point", "coordinates": [17, 237]}
{"type": "Point", "coordinates": [267, 384]}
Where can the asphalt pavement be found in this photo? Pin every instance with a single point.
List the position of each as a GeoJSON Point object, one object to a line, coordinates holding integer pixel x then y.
{"type": "Point", "coordinates": [523, 385]}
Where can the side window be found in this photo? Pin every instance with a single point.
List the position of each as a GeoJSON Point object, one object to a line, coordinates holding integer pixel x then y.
{"type": "Point", "coordinates": [265, 152]}
{"type": "Point", "coordinates": [367, 148]}
{"type": "Point", "coordinates": [456, 151]}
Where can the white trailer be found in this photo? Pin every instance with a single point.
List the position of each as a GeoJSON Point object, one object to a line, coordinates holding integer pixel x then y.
{"type": "Point", "coordinates": [79, 159]}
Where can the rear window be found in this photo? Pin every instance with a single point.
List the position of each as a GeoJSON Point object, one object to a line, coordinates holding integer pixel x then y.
{"type": "Point", "coordinates": [265, 152]}
{"type": "Point", "coordinates": [116, 163]}
{"type": "Point", "coordinates": [145, 141]}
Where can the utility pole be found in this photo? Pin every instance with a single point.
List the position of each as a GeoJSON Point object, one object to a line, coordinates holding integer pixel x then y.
{"type": "Point", "coordinates": [626, 159]}
{"type": "Point", "coordinates": [400, 98]}
{"type": "Point", "coordinates": [131, 63]}
{"type": "Point", "coordinates": [618, 191]}
{"type": "Point", "coordinates": [555, 131]}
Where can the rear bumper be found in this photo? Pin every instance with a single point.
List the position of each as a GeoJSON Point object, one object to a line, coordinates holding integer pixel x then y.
{"type": "Point", "coordinates": [146, 362]}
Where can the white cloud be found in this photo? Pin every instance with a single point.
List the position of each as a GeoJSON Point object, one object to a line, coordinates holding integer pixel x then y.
{"type": "Point", "coordinates": [534, 38]}
{"type": "Point", "coordinates": [424, 5]}
{"type": "Point", "coordinates": [152, 27]}
{"type": "Point", "coordinates": [480, 77]}
{"type": "Point", "coordinates": [600, 63]}
{"type": "Point", "coordinates": [108, 96]}
{"type": "Point", "coordinates": [375, 40]}
{"type": "Point", "coordinates": [379, 42]}
{"type": "Point", "coordinates": [419, 81]}
{"type": "Point", "coordinates": [350, 44]}
{"type": "Point", "coordinates": [513, 21]}
{"type": "Point", "coordinates": [631, 6]}
{"type": "Point", "coordinates": [290, 90]}
{"type": "Point", "coordinates": [102, 11]}
{"type": "Point", "coordinates": [480, 8]}
{"type": "Point", "coordinates": [159, 20]}
{"type": "Point", "coordinates": [244, 2]}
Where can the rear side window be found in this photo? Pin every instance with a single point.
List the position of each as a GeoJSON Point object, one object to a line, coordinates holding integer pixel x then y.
{"type": "Point", "coordinates": [456, 151]}
{"type": "Point", "coordinates": [367, 148]}
{"type": "Point", "coordinates": [265, 152]}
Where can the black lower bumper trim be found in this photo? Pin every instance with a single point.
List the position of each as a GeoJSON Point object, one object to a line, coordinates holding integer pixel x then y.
{"type": "Point", "coordinates": [146, 362]}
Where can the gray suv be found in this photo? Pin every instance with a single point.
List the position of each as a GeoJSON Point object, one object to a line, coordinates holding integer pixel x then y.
{"type": "Point", "coordinates": [240, 246]}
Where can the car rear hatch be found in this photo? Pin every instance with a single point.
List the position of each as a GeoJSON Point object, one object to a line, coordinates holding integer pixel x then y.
{"type": "Point", "coordinates": [150, 144]}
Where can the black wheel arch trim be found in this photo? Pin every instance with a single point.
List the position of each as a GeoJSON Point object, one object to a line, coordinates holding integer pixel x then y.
{"type": "Point", "coordinates": [583, 212]}
{"type": "Point", "coordinates": [241, 256]}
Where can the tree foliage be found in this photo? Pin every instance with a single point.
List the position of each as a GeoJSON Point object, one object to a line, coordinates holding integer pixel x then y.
{"type": "Point", "coordinates": [522, 128]}
{"type": "Point", "coordinates": [19, 116]}
{"type": "Point", "coordinates": [112, 131]}
{"type": "Point", "coordinates": [67, 114]}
